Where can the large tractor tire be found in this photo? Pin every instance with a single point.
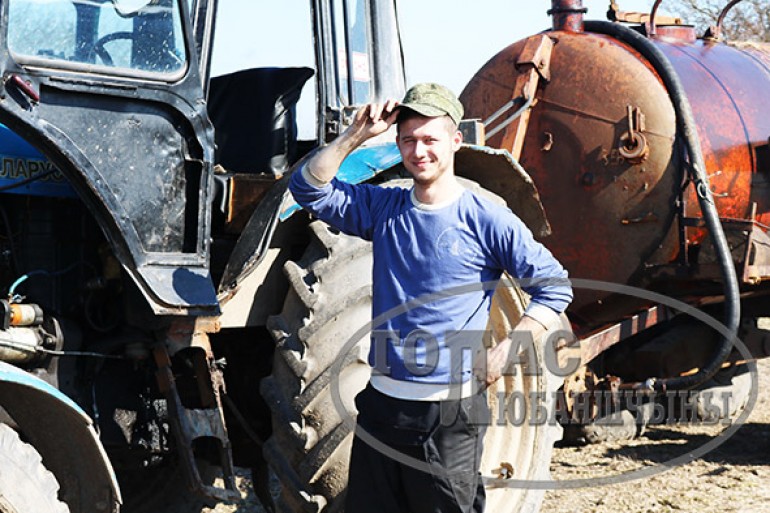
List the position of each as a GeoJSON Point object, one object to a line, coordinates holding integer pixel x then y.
{"type": "Point", "coordinates": [725, 395]}
{"type": "Point", "coordinates": [26, 486]}
{"type": "Point", "coordinates": [329, 302]}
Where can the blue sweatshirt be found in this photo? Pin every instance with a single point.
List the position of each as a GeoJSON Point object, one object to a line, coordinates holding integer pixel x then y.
{"type": "Point", "coordinates": [434, 271]}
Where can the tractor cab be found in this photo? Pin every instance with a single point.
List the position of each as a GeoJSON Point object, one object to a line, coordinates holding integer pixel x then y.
{"type": "Point", "coordinates": [117, 95]}
{"type": "Point", "coordinates": [138, 195]}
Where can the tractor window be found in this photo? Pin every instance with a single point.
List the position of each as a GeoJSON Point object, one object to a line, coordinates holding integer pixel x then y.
{"type": "Point", "coordinates": [351, 44]}
{"type": "Point", "coordinates": [122, 35]}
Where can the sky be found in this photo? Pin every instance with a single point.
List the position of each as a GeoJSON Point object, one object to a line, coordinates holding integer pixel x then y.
{"type": "Point", "coordinates": [444, 41]}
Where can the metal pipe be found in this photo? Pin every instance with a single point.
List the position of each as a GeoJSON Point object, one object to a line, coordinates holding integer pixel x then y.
{"type": "Point", "coordinates": [687, 130]}
{"type": "Point", "coordinates": [567, 15]}
{"type": "Point", "coordinates": [653, 14]}
{"type": "Point", "coordinates": [505, 108]}
{"type": "Point", "coordinates": [724, 12]}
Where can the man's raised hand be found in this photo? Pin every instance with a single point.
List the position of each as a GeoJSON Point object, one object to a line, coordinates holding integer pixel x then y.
{"type": "Point", "coordinates": [374, 119]}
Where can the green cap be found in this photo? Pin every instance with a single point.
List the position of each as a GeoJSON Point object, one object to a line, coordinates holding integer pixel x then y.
{"type": "Point", "coordinates": [433, 100]}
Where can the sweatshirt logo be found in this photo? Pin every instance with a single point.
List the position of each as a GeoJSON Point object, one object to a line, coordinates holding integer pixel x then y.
{"type": "Point", "coordinates": [455, 241]}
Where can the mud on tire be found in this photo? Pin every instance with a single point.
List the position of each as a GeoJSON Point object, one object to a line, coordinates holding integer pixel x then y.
{"type": "Point", "coordinates": [328, 303]}
{"type": "Point", "coordinates": [329, 300]}
{"type": "Point", "coordinates": [26, 486]}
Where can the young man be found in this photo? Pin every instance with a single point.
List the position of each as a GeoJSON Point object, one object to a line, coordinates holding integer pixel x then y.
{"type": "Point", "coordinates": [434, 246]}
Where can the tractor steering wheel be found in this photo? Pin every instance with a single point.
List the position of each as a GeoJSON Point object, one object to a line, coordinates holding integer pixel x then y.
{"type": "Point", "coordinates": [102, 52]}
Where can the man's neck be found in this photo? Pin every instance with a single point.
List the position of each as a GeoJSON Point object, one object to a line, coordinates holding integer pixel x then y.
{"type": "Point", "coordinates": [442, 190]}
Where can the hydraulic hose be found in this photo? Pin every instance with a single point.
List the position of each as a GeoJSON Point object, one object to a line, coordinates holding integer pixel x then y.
{"type": "Point", "coordinates": [686, 128]}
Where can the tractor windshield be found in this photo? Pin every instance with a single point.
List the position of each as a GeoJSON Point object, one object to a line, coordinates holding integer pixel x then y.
{"type": "Point", "coordinates": [126, 36]}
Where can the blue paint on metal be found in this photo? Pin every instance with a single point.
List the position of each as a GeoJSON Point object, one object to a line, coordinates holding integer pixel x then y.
{"type": "Point", "coordinates": [20, 160]}
{"type": "Point", "coordinates": [11, 374]}
{"type": "Point", "coordinates": [361, 165]}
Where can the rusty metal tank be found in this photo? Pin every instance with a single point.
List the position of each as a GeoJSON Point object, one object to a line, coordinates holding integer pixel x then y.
{"type": "Point", "coordinates": [600, 142]}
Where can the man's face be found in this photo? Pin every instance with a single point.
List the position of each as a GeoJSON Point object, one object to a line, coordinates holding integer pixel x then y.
{"type": "Point", "coordinates": [427, 147]}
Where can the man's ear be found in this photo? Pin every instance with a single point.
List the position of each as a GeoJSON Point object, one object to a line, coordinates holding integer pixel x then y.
{"type": "Point", "coordinates": [457, 140]}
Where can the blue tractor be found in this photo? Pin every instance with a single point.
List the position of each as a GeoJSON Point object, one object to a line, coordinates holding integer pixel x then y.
{"type": "Point", "coordinates": [166, 309]}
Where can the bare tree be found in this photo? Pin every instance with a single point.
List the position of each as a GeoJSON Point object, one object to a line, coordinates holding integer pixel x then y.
{"type": "Point", "coordinates": [749, 20]}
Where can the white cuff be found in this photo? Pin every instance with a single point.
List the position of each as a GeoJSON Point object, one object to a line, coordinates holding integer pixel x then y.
{"type": "Point", "coordinates": [312, 179]}
{"type": "Point", "coordinates": [544, 315]}
{"type": "Point", "coordinates": [417, 391]}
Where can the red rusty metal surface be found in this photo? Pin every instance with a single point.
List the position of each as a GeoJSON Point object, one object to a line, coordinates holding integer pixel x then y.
{"type": "Point", "coordinates": [613, 219]}
{"type": "Point", "coordinates": [757, 51]}
{"type": "Point", "coordinates": [609, 217]}
{"type": "Point", "coordinates": [727, 90]}
{"type": "Point", "coordinates": [675, 33]}
{"type": "Point", "coordinates": [593, 345]}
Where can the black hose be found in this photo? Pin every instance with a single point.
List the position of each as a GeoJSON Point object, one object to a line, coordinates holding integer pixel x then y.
{"type": "Point", "coordinates": [686, 128]}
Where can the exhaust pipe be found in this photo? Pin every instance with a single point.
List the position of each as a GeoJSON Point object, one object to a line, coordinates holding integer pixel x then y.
{"type": "Point", "coordinates": [567, 15]}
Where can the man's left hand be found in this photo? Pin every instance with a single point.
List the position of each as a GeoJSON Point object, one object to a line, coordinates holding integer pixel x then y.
{"type": "Point", "coordinates": [491, 365]}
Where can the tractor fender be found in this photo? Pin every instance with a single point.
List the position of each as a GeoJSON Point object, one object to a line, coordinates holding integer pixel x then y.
{"type": "Point", "coordinates": [65, 437]}
{"type": "Point", "coordinates": [498, 172]}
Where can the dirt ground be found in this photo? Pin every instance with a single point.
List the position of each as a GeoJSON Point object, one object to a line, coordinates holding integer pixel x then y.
{"type": "Point", "coordinates": [734, 477]}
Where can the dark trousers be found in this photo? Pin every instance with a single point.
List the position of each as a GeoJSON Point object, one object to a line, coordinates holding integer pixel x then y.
{"type": "Point", "coordinates": [416, 456]}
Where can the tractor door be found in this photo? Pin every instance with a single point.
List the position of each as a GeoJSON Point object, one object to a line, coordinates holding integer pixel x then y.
{"type": "Point", "coordinates": [110, 91]}
{"type": "Point", "coordinates": [359, 58]}
{"type": "Point", "coordinates": [203, 18]}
